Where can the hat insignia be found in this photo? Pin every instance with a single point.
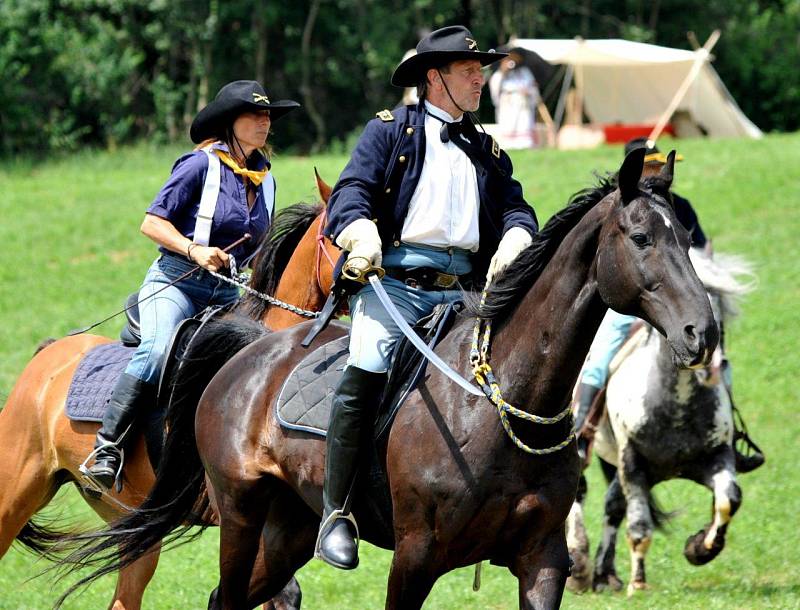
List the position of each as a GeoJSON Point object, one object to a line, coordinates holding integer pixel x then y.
{"type": "Point", "coordinates": [257, 97]}
{"type": "Point", "coordinates": [473, 44]}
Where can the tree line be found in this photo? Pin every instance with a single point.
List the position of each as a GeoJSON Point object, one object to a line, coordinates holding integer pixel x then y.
{"type": "Point", "coordinates": [109, 72]}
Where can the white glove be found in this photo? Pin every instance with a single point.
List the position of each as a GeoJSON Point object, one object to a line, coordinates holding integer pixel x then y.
{"type": "Point", "coordinates": [514, 241]}
{"type": "Point", "coordinates": [361, 239]}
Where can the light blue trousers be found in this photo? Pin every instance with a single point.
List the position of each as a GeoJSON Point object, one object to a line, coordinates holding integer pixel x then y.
{"type": "Point", "coordinates": [609, 339]}
{"type": "Point", "coordinates": [373, 333]}
{"type": "Point", "coordinates": [160, 314]}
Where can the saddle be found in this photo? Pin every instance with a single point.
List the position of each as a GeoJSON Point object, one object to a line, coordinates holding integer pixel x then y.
{"type": "Point", "coordinates": [304, 403]}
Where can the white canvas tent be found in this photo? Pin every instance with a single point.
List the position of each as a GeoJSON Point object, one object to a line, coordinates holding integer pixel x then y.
{"type": "Point", "coordinates": [632, 82]}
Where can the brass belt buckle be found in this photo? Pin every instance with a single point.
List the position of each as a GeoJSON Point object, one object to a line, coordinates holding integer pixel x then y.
{"type": "Point", "coordinates": [445, 280]}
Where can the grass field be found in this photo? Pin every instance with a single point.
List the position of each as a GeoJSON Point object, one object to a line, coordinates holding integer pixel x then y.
{"type": "Point", "coordinates": [72, 253]}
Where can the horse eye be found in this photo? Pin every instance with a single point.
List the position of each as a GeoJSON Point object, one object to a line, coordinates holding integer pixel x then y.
{"type": "Point", "coordinates": [640, 239]}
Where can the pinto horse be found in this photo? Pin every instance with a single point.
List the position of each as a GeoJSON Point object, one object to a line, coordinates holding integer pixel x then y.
{"type": "Point", "coordinates": [465, 493]}
{"type": "Point", "coordinates": [663, 423]}
{"type": "Point", "coordinates": [41, 449]}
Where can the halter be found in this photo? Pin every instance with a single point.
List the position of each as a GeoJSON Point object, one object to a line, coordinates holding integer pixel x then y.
{"type": "Point", "coordinates": [482, 371]}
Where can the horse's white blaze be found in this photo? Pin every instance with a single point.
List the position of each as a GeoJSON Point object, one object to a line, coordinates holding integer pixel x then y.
{"type": "Point", "coordinates": [721, 482]}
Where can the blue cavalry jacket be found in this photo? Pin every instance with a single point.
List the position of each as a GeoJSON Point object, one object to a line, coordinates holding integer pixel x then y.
{"type": "Point", "coordinates": [383, 172]}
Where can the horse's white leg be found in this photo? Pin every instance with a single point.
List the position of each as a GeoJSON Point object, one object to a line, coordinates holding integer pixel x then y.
{"type": "Point", "coordinates": [580, 578]}
{"type": "Point", "coordinates": [605, 573]}
{"type": "Point", "coordinates": [640, 519]}
{"type": "Point", "coordinates": [706, 544]}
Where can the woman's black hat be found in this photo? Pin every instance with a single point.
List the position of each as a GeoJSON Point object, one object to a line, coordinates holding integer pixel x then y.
{"type": "Point", "coordinates": [233, 99]}
{"type": "Point", "coordinates": [453, 43]}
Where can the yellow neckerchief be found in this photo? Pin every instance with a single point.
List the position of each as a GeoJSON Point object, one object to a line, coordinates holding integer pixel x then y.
{"type": "Point", "coordinates": [255, 176]}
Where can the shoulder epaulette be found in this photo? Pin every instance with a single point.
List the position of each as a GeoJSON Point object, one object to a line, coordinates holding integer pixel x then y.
{"type": "Point", "coordinates": [385, 115]}
{"type": "Point", "coordinates": [495, 148]}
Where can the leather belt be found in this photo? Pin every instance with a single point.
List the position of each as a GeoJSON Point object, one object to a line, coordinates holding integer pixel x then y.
{"type": "Point", "coordinates": [428, 278]}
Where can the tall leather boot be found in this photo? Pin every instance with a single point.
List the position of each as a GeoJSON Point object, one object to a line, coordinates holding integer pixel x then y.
{"type": "Point", "coordinates": [352, 413]}
{"type": "Point", "coordinates": [128, 396]}
{"type": "Point", "coordinates": [586, 395]}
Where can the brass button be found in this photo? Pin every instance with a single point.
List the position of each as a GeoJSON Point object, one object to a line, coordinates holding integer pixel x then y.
{"type": "Point", "coordinates": [389, 190]}
{"type": "Point", "coordinates": [410, 130]}
{"type": "Point", "coordinates": [375, 220]}
{"type": "Point", "coordinates": [402, 159]}
{"type": "Point", "coordinates": [396, 243]}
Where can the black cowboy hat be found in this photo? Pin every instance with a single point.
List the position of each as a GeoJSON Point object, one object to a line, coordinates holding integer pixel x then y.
{"type": "Point", "coordinates": [233, 99]}
{"type": "Point", "coordinates": [651, 153]}
{"type": "Point", "coordinates": [439, 48]}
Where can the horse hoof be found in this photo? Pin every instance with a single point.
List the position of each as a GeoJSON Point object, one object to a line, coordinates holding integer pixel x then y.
{"type": "Point", "coordinates": [610, 582]}
{"type": "Point", "coordinates": [696, 551]}
{"type": "Point", "coordinates": [635, 586]}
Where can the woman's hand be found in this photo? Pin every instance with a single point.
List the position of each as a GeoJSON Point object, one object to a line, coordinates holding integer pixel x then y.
{"type": "Point", "coordinates": [209, 257]}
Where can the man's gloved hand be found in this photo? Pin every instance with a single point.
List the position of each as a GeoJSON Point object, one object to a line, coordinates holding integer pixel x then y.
{"type": "Point", "coordinates": [361, 239]}
{"type": "Point", "coordinates": [514, 241]}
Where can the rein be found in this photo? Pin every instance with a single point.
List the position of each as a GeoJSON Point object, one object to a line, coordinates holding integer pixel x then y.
{"type": "Point", "coordinates": [482, 371]}
{"type": "Point", "coordinates": [322, 250]}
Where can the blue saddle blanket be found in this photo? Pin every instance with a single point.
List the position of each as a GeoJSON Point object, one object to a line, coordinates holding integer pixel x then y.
{"type": "Point", "coordinates": [94, 380]}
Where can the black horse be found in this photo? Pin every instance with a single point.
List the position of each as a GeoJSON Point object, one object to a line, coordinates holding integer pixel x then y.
{"type": "Point", "coordinates": [461, 490]}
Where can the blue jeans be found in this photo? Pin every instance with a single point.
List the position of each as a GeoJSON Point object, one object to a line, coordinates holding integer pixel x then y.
{"type": "Point", "coordinates": [373, 333]}
{"type": "Point", "coordinates": [160, 314]}
{"type": "Point", "coordinates": [609, 338]}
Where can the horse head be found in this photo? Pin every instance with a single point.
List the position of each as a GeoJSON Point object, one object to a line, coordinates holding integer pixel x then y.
{"type": "Point", "coordinates": [643, 265]}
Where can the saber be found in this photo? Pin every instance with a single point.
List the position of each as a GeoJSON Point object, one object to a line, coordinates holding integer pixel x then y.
{"type": "Point", "coordinates": [415, 339]}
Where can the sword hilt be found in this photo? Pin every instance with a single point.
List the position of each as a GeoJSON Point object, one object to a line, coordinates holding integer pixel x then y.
{"type": "Point", "coordinates": [361, 275]}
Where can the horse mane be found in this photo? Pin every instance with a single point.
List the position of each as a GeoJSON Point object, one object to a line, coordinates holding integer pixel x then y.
{"type": "Point", "coordinates": [288, 227]}
{"type": "Point", "coordinates": [523, 272]}
{"type": "Point", "coordinates": [721, 275]}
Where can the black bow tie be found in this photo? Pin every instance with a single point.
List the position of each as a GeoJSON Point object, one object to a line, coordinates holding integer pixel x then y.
{"type": "Point", "coordinates": [451, 132]}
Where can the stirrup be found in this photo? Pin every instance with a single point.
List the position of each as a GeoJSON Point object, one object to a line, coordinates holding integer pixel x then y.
{"type": "Point", "coordinates": [323, 529]}
{"type": "Point", "coordinates": [90, 483]}
{"type": "Point", "coordinates": [747, 454]}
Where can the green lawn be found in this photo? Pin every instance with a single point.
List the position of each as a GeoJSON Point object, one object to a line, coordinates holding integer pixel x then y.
{"type": "Point", "coordinates": [73, 253]}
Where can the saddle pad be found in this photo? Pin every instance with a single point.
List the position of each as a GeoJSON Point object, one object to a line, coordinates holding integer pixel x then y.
{"type": "Point", "coordinates": [94, 380]}
{"type": "Point", "coordinates": [305, 398]}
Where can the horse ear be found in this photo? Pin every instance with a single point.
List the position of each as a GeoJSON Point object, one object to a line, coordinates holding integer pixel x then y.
{"type": "Point", "coordinates": [668, 171]}
{"type": "Point", "coordinates": [322, 187]}
{"type": "Point", "coordinates": [629, 175]}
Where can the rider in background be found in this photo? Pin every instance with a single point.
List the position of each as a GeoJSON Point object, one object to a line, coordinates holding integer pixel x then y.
{"type": "Point", "coordinates": [432, 200]}
{"type": "Point", "coordinates": [615, 327]}
{"type": "Point", "coordinates": [228, 172]}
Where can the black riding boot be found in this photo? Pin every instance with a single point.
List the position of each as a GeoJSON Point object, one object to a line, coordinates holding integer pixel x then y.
{"type": "Point", "coordinates": [352, 414]}
{"type": "Point", "coordinates": [128, 395]}
{"type": "Point", "coordinates": [586, 395]}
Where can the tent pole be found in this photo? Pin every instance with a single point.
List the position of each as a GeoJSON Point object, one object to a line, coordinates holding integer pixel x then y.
{"type": "Point", "coordinates": [562, 97]}
{"type": "Point", "coordinates": [701, 56]}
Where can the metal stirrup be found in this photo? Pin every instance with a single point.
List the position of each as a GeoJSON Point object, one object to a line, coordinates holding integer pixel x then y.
{"type": "Point", "coordinates": [323, 529]}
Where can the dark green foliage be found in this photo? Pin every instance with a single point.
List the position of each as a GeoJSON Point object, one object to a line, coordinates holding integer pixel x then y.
{"type": "Point", "coordinates": [103, 72]}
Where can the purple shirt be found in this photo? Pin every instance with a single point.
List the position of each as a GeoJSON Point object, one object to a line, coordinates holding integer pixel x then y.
{"type": "Point", "coordinates": [179, 200]}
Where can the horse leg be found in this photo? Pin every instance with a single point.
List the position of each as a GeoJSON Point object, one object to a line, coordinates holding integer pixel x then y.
{"type": "Point", "coordinates": [287, 543]}
{"type": "Point", "coordinates": [413, 572]}
{"type": "Point", "coordinates": [242, 513]}
{"type": "Point", "coordinates": [706, 544]}
{"type": "Point", "coordinates": [605, 573]}
{"type": "Point", "coordinates": [640, 519]}
{"type": "Point", "coordinates": [542, 572]}
{"type": "Point", "coordinates": [133, 580]}
{"type": "Point", "coordinates": [580, 578]}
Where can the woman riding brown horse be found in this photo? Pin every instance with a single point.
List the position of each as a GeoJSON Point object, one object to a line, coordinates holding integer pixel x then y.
{"type": "Point", "coordinates": [466, 492]}
{"type": "Point", "coordinates": [42, 448]}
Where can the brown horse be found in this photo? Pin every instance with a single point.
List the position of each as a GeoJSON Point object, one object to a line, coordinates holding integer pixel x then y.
{"type": "Point", "coordinates": [465, 493]}
{"type": "Point", "coordinates": [41, 449]}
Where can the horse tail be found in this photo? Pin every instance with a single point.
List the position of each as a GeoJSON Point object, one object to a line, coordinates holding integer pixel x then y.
{"type": "Point", "coordinates": [177, 500]}
{"type": "Point", "coordinates": [280, 242]}
{"type": "Point", "coordinates": [659, 515]}
{"type": "Point", "coordinates": [41, 539]}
